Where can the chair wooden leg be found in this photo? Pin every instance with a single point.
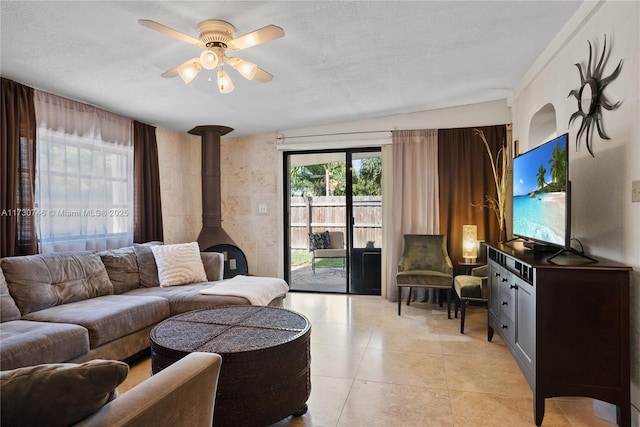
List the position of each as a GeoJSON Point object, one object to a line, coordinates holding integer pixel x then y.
{"type": "Point", "coordinates": [449, 303]}
{"type": "Point", "coordinates": [409, 296]}
{"type": "Point", "coordinates": [399, 299]}
{"type": "Point", "coordinates": [463, 310]}
{"type": "Point", "coordinates": [456, 302]}
{"type": "Point", "coordinates": [313, 265]}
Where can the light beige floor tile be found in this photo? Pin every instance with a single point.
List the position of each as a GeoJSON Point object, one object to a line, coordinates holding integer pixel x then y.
{"type": "Point", "coordinates": [139, 371]}
{"type": "Point", "coordinates": [417, 369]}
{"type": "Point", "coordinates": [488, 410]}
{"type": "Point", "coordinates": [353, 335]}
{"type": "Point", "coordinates": [328, 397]}
{"type": "Point", "coordinates": [380, 404]}
{"type": "Point", "coordinates": [348, 312]}
{"type": "Point", "coordinates": [419, 340]}
{"type": "Point", "coordinates": [486, 375]}
{"type": "Point", "coordinates": [335, 361]}
{"type": "Point", "coordinates": [473, 345]}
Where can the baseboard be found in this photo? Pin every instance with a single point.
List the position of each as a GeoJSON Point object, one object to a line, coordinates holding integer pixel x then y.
{"type": "Point", "coordinates": [607, 411]}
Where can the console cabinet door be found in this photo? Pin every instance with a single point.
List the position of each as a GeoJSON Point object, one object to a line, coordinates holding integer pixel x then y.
{"type": "Point", "coordinates": [525, 331]}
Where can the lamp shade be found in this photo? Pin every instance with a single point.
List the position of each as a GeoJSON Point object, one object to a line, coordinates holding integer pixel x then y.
{"type": "Point", "coordinates": [225, 85]}
{"type": "Point", "coordinates": [247, 69]}
{"type": "Point", "coordinates": [209, 59]}
{"type": "Point", "coordinates": [189, 70]}
{"type": "Point", "coordinates": [470, 242]}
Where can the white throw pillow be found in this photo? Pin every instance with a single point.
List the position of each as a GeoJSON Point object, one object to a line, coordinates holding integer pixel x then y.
{"type": "Point", "coordinates": [179, 264]}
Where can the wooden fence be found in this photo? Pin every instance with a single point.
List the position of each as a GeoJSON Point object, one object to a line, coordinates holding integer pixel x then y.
{"type": "Point", "coordinates": [320, 213]}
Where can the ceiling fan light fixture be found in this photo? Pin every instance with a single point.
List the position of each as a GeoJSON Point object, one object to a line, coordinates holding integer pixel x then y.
{"type": "Point", "coordinates": [225, 85]}
{"type": "Point", "coordinates": [189, 70]}
{"type": "Point", "coordinates": [247, 69]}
{"type": "Point", "coordinates": [209, 59]}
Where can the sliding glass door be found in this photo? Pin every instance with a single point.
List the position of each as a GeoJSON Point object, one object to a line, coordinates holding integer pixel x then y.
{"type": "Point", "coordinates": [366, 224]}
{"type": "Point", "coordinates": [333, 221]}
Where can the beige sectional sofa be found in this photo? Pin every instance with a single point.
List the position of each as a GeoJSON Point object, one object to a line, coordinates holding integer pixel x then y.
{"type": "Point", "coordinates": [79, 306]}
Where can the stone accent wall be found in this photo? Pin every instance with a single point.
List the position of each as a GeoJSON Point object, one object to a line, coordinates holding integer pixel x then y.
{"type": "Point", "coordinates": [180, 185]}
{"type": "Point", "coordinates": [249, 178]}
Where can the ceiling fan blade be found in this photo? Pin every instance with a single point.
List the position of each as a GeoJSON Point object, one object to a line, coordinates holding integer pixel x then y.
{"type": "Point", "coordinates": [263, 35]}
{"type": "Point", "coordinates": [263, 76]}
{"type": "Point", "coordinates": [153, 25]}
{"type": "Point", "coordinates": [170, 73]}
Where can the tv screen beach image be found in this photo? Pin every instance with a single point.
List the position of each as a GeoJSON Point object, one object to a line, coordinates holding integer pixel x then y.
{"type": "Point", "coordinates": [539, 193]}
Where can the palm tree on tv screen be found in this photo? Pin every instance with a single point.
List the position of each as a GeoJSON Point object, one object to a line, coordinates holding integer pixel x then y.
{"type": "Point", "coordinates": [540, 176]}
{"type": "Point", "coordinates": [558, 163]}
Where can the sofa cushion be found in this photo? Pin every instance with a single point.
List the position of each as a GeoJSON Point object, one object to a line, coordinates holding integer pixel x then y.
{"type": "Point", "coordinates": [468, 286]}
{"type": "Point", "coordinates": [179, 264]}
{"type": "Point", "coordinates": [187, 297]}
{"type": "Point", "coordinates": [27, 343]}
{"type": "Point", "coordinates": [213, 265]}
{"type": "Point", "coordinates": [41, 281]}
{"type": "Point", "coordinates": [58, 394]}
{"type": "Point", "coordinates": [122, 268]}
{"type": "Point", "coordinates": [147, 267]}
{"type": "Point", "coordinates": [8, 308]}
{"type": "Point", "coordinates": [108, 317]}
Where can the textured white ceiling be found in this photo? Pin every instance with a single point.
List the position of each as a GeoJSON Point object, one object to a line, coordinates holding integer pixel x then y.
{"type": "Point", "coordinates": [338, 61]}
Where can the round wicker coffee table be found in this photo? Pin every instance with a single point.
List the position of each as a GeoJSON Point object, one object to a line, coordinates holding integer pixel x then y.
{"type": "Point", "coordinates": [265, 374]}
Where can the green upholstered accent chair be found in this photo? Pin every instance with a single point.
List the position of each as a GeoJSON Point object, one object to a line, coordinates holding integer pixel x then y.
{"type": "Point", "coordinates": [470, 288]}
{"type": "Point", "coordinates": [425, 263]}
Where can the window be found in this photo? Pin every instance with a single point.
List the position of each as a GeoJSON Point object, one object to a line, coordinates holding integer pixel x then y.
{"type": "Point", "coordinates": [84, 177]}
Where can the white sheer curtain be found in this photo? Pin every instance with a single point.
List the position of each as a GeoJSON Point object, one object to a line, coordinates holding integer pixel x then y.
{"type": "Point", "coordinates": [415, 207]}
{"type": "Point", "coordinates": [84, 176]}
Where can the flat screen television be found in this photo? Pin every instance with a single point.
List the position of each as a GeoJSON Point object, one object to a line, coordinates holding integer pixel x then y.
{"type": "Point", "coordinates": [542, 196]}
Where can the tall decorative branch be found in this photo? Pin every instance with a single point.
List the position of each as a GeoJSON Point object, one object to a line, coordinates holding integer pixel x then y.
{"type": "Point", "coordinates": [500, 178]}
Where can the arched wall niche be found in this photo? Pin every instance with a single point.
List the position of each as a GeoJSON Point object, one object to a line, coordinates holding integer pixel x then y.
{"type": "Point", "coordinates": [543, 126]}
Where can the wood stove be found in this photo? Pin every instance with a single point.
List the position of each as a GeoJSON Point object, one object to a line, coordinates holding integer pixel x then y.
{"type": "Point", "coordinates": [212, 237]}
{"type": "Point", "coordinates": [235, 262]}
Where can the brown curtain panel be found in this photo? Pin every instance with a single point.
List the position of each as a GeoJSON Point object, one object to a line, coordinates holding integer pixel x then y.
{"type": "Point", "coordinates": [147, 205]}
{"type": "Point", "coordinates": [466, 178]}
{"type": "Point", "coordinates": [17, 171]}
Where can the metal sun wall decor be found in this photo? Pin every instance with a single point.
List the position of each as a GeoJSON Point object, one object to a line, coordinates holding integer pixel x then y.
{"type": "Point", "coordinates": [590, 98]}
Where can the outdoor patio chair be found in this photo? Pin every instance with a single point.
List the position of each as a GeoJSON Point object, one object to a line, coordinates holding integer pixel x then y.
{"type": "Point", "coordinates": [329, 244]}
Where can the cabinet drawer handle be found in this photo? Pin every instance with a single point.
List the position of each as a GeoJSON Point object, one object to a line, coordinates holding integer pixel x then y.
{"type": "Point", "coordinates": [504, 326]}
{"type": "Point", "coordinates": [504, 279]}
{"type": "Point", "coordinates": [497, 274]}
{"type": "Point", "coordinates": [505, 303]}
{"type": "Point", "coordinates": [513, 286]}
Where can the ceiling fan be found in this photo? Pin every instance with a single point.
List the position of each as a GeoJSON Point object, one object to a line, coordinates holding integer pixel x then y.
{"type": "Point", "coordinates": [215, 38]}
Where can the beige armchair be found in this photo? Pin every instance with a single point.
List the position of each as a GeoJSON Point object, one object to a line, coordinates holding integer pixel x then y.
{"type": "Point", "coordinates": [425, 263]}
{"type": "Point", "coordinates": [337, 249]}
{"type": "Point", "coordinates": [182, 394]}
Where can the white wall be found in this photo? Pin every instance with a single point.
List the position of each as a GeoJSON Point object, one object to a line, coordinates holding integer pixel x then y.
{"type": "Point", "coordinates": [604, 217]}
{"type": "Point", "coordinates": [483, 114]}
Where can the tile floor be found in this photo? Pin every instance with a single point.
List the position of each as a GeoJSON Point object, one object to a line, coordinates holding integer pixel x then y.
{"type": "Point", "coordinates": [372, 368]}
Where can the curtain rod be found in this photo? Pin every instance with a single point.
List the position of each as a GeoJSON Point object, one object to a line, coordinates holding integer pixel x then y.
{"type": "Point", "coordinates": [283, 137]}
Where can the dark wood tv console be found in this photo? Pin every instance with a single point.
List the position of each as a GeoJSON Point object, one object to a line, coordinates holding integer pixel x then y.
{"type": "Point", "coordinates": [566, 324]}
